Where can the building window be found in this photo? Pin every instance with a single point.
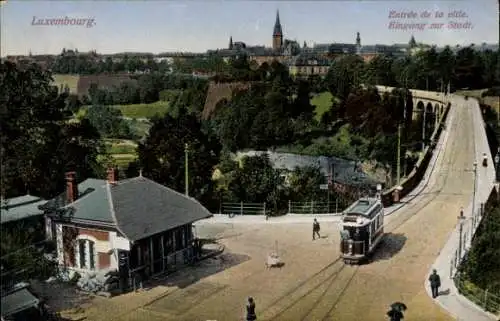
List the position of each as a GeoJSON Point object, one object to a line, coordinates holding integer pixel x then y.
{"type": "Point", "coordinates": [91, 255]}
{"type": "Point", "coordinates": [81, 251]}
{"type": "Point", "coordinates": [86, 254]}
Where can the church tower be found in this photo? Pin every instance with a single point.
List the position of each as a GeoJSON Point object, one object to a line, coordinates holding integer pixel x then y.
{"type": "Point", "coordinates": [358, 43]}
{"type": "Point", "coordinates": [277, 34]}
{"type": "Point", "coordinates": [231, 43]}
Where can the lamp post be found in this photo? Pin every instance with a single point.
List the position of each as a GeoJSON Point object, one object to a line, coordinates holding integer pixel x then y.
{"type": "Point", "coordinates": [461, 220]}
{"type": "Point", "coordinates": [473, 199]}
{"type": "Point", "coordinates": [405, 166]}
{"type": "Point", "coordinates": [186, 168]}
{"type": "Point", "coordinates": [497, 160]}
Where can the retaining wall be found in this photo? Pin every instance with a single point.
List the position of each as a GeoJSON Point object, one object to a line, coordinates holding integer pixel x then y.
{"type": "Point", "coordinates": [417, 174]}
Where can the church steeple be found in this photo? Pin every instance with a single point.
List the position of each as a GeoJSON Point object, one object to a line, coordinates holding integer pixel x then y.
{"type": "Point", "coordinates": [277, 25]}
{"type": "Point", "coordinates": [412, 42]}
{"type": "Point", "coordinates": [358, 43]}
{"type": "Point", "coordinates": [231, 42]}
{"type": "Point", "coordinates": [277, 33]}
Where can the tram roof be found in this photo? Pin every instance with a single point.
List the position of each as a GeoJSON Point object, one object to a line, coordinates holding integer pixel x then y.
{"type": "Point", "coordinates": [362, 206]}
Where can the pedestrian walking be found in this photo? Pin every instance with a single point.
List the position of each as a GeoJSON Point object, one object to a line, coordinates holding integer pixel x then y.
{"type": "Point", "coordinates": [316, 229]}
{"type": "Point", "coordinates": [435, 282]}
{"type": "Point", "coordinates": [251, 316]}
{"type": "Point", "coordinates": [395, 315]}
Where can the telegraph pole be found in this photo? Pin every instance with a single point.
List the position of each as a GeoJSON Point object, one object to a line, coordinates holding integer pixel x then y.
{"type": "Point", "coordinates": [186, 168]}
{"type": "Point", "coordinates": [398, 157]}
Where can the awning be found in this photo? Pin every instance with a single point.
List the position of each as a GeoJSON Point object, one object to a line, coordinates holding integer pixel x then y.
{"type": "Point", "coordinates": [18, 301]}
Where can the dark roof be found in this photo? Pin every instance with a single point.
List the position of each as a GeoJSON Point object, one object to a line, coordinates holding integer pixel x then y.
{"type": "Point", "coordinates": [92, 203]}
{"type": "Point", "coordinates": [143, 208]}
{"type": "Point", "coordinates": [17, 300]}
{"type": "Point", "coordinates": [277, 26]}
{"type": "Point", "coordinates": [20, 207]}
{"type": "Point", "coordinates": [309, 60]}
{"type": "Point", "coordinates": [346, 172]}
{"type": "Point", "coordinates": [137, 207]}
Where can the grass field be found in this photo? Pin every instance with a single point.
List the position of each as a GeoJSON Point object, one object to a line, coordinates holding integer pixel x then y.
{"type": "Point", "coordinates": [120, 148]}
{"type": "Point", "coordinates": [144, 110]}
{"type": "Point", "coordinates": [70, 80]}
{"type": "Point", "coordinates": [323, 102]}
{"type": "Point", "coordinates": [122, 152]}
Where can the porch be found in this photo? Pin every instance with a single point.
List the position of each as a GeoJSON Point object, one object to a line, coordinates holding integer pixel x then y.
{"type": "Point", "coordinates": [159, 254]}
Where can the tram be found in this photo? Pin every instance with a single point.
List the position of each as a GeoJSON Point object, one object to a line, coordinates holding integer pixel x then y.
{"type": "Point", "coordinates": [362, 229]}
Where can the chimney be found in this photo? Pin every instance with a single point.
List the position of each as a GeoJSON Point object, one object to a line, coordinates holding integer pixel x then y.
{"type": "Point", "coordinates": [71, 187]}
{"type": "Point", "coordinates": [111, 176]}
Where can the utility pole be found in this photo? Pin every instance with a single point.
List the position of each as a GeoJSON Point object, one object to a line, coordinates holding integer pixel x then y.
{"type": "Point", "coordinates": [423, 130]}
{"type": "Point", "coordinates": [473, 199]}
{"type": "Point", "coordinates": [398, 157]}
{"type": "Point", "coordinates": [186, 168]}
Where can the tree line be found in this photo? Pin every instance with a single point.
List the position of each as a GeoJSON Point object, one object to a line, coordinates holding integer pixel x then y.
{"type": "Point", "coordinates": [273, 113]}
{"type": "Point", "coordinates": [463, 67]}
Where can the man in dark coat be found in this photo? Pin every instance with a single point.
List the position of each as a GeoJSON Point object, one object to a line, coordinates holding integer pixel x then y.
{"type": "Point", "coordinates": [251, 316]}
{"type": "Point", "coordinates": [435, 282]}
{"type": "Point", "coordinates": [316, 229]}
{"type": "Point", "coordinates": [395, 315]}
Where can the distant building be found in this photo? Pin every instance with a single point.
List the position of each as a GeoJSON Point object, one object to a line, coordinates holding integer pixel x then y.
{"type": "Point", "coordinates": [305, 65]}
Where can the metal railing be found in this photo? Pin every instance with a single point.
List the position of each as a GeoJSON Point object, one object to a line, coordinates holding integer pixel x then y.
{"type": "Point", "coordinates": [312, 207]}
{"type": "Point", "coordinates": [244, 208]}
{"type": "Point", "coordinates": [483, 298]}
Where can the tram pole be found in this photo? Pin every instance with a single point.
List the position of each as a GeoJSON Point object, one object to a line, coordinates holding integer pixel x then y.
{"type": "Point", "coordinates": [398, 157]}
{"type": "Point", "coordinates": [461, 220]}
{"type": "Point", "coordinates": [473, 201]}
{"type": "Point", "coordinates": [186, 168]}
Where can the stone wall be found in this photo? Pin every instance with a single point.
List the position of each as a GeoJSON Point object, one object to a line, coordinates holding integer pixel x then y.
{"type": "Point", "coordinates": [421, 167]}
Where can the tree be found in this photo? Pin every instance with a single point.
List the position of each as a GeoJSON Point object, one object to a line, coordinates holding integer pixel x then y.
{"type": "Point", "coordinates": [162, 155]}
{"type": "Point", "coordinates": [378, 71]}
{"type": "Point", "coordinates": [344, 75]}
{"type": "Point", "coordinates": [256, 181]}
{"type": "Point", "coordinates": [483, 264]}
{"type": "Point", "coordinates": [301, 105]}
{"type": "Point", "coordinates": [109, 122]}
{"type": "Point", "coordinates": [304, 184]}
{"type": "Point", "coordinates": [36, 141]}
{"type": "Point", "coordinates": [446, 63]}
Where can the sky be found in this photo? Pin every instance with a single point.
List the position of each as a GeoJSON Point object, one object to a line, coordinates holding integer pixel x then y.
{"type": "Point", "coordinates": [165, 26]}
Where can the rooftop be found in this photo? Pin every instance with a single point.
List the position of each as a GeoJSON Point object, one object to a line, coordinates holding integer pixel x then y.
{"type": "Point", "coordinates": [20, 207]}
{"type": "Point", "coordinates": [137, 207]}
{"type": "Point", "coordinates": [362, 205]}
{"type": "Point", "coordinates": [346, 172]}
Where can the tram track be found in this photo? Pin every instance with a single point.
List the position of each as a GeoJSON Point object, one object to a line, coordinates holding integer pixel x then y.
{"type": "Point", "coordinates": [438, 184]}
{"type": "Point", "coordinates": [304, 289]}
{"type": "Point", "coordinates": [427, 190]}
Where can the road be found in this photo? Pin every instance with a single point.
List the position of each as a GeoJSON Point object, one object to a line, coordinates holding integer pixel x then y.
{"type": "Point", "coordinates": [421, 228]}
